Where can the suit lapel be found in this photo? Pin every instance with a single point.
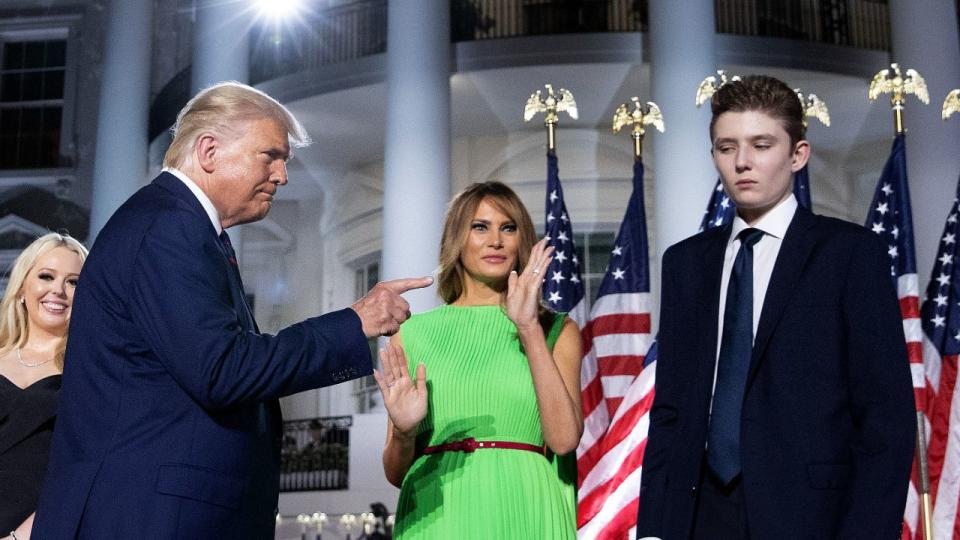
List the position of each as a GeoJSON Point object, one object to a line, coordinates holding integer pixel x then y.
{"type": "Point", "coordinates": [709, 289]}
{"type": "Point", "coordinates": [174, 185]}
{"type": "Point", "coordinates": [794, 252]}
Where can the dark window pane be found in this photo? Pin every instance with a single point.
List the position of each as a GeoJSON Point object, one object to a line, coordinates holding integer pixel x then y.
{"type": "Point", "coordinates": [53, 84]}
{"type": "Point", "coordinates": [50, 150]}
{"type": "Point", "coordinates": [29, 150]}
{"type": "Point", "coordinates": [34, 53]}
{"type": "Point", "coordinates": [32, 86]}
{"type": "Point", "coordinates": [56, 53]}
{"type": "Point", "coordinates": [31, 120]}
{"type": "Point", "coordinates": [600, 247]}
{"type": "Point", "coordinates": [10, 87]}
{"type": "Point", "coordinates": [373, 275]}
{"type": "Point", "coordinates": [8, 150]}
{"type": "Point", "coordinates": [13, 56]}
{"type": "Point", "coordinates": [51, 118]}
{"type": "Point", "coordinates": [593, 284]}
{"type": "Point", "coordinates": [9, 122]}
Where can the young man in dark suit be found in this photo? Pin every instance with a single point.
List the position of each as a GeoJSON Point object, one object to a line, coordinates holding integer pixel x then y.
{"type": "Point", "coordinates": [784, 406]}
{"type": "Point", "coordinates": [169, 423]}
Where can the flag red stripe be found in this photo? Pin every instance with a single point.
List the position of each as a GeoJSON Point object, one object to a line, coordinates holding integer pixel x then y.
{"type": "Point", "coordinates": [613, 403]}
{"type": "Point", "coordinates": [617, 433]}
{"type": "Point", "coordinates": [621, 364]}
{"type": "Point", "coordinates": [591, 395]}
{"type": "Point", "coordinates": [620, 323]}
{"type": "Point", "coordinates": [915, 352]}
{"type": "Point", "coordinates": [910, 307]}
{"type": "Point", "coordinates": [940, 422]}
{"type": "Point", "coordinates": [621, 523]}
{"type": "Point", "coordinates": [589, 506]}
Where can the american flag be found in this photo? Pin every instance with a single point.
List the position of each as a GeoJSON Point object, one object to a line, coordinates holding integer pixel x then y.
{"type": "Point", "coordinates": [890, 217]}
{"type": "Point", "coordinates": [941, 333]}
{"type": "Point", "coordinates": [720, 208]}
{"type": "Point", "coordinates": [617, 381]}
{"type": "Point", "coordinates": [801, 187]}
{"type": "Point", "coordinates": [563, 286]}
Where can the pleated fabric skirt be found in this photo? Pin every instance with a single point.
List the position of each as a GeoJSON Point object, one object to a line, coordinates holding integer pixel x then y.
{"type": "Point", "coordinates": [488, 494]}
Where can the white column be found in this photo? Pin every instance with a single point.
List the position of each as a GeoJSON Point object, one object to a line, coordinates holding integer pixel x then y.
{"type": "Point", "coordinates": [681, 55]}
{"type": "Point", "coordinates": [416, 183]}
{"type": "Point", "coordinates": [221, 52]}
{"type": "Point", "coordinates": [924, 37]}
{"type": "Point", "coordinates": [120, 165]}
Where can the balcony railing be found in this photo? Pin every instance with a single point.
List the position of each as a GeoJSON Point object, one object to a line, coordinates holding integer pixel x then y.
{"type": "Point", "coordinates": [355, 28]}
{"type": "Point", "coordinates": [335, 31]}
{"type": "Point", "coordinates": [316, 454]}
{"type": "Point", "coordinates": [344, 31]}
{"type": "Point", "coordinates": [857, 23]}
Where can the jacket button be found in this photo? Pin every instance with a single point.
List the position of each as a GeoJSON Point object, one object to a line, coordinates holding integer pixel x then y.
{"type": "Point", "coordinates": [693, 490]}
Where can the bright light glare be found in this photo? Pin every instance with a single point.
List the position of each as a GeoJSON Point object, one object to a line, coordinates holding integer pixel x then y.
{"type": "Point", "coordinates": [278, 9]}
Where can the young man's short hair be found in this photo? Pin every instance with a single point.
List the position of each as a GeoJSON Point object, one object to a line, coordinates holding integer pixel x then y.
{"type": "Point", "coordinates": [763, 94]}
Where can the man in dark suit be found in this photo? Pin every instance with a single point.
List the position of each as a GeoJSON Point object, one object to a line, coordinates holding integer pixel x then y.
{"type": "Point", "coordinates": [784, 406]}
{"type": "Point", "coordinates": [169, 423]}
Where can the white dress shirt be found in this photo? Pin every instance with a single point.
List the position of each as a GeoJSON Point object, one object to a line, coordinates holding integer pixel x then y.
{"type": "Point", "coordinates": [205, 201]}
{"type": "Point", "coordinates": [774, 225]}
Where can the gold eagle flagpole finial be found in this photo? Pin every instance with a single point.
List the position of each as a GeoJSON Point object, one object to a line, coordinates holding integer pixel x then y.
{"type": "Point", "coordinates": [710, 85]}
{"type": "Point", "coordinates": [641, 115]}
{"type": "Point", "coordinates": [813, 107]}
{"type": "Point", "coordinates": [951, 104]}
{"type": "Point", "coordinates": [892, 81]}
{"type": "Point", "coordinates": [551, 104]}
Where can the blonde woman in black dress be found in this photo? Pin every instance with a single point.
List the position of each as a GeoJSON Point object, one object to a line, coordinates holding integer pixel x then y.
{"type": "Point", "coordinates": [34, 316]}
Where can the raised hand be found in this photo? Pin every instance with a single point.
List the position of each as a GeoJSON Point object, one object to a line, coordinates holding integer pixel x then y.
{"type": "Point", "coordinates": [404, 398]}
{"type": "Point", "coordinates": [383, 309]}
{"type": "Point", "coordinates": [523, 291]}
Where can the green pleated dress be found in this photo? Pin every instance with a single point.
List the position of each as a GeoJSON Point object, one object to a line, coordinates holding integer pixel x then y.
{"type": "Point", "coordinates": [479, 386]}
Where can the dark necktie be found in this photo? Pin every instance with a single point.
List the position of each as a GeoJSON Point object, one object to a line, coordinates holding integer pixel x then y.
{"type": "Point", "coordinates": [232, 259]}
{"type": "Point", "coordinates": [736, 348]}
{"type": "Point", "coordinates": [262, 421]}
{"type": "Point", "coordinates": [228, 246]}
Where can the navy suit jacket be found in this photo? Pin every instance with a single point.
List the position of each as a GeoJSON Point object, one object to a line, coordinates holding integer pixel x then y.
{"type": "Point", "coordinates": [828, 423]}
{"type": "Point", "coordinates": [169, 425]}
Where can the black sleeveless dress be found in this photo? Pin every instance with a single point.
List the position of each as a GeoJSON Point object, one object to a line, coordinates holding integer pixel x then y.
{"type": "Point", "coordinates": [26, 426]}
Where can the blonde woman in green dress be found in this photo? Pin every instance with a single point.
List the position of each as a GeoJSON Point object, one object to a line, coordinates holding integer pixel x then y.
{"type": "Point", "coordinates": [496, 387]}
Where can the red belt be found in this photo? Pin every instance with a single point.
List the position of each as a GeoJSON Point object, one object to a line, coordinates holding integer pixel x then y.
{"type": "Point", "coordinates": [470, 445]}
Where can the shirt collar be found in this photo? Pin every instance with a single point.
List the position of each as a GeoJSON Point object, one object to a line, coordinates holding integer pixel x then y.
{"type": "Point", "coordinates": [205, 201]}
{"type": "Point", "coordinates": [774, 223]}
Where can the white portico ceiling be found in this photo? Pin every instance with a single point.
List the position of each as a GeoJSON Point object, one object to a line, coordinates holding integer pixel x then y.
{"type": "Point", "coordinates": [347, 126]}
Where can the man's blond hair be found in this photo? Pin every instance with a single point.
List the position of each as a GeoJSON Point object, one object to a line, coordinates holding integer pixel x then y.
{"type": "Point", "coordinates": [221, 109]}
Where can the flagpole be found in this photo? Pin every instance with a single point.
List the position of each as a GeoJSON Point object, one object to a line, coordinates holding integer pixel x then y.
{"type": "Point", "coordinates": [892, 81]}
{"type": "Point", "coordinates": [641, 115]}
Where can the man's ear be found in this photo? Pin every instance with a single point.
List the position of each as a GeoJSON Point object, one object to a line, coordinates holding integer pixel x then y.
{"type": "Point", "coordinates": [205, 150]}
{"type": "Point", "coordinates": [801, 154]}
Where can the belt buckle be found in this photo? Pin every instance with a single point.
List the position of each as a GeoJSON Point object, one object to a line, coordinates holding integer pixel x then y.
{"type": "Point", "coordinates": [469, 445]}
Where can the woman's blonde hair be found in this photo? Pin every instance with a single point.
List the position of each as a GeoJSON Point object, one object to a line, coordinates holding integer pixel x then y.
{"type": "Point", "coordinates": [456, 227]}
{"type": "Point", "coordinates": [221, 109]}
{"type": "Point", "coordinates": [13, 314]}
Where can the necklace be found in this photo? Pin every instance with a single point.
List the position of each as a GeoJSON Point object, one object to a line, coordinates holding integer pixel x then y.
{"type": "Point", "coordinates": [28, 364]}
